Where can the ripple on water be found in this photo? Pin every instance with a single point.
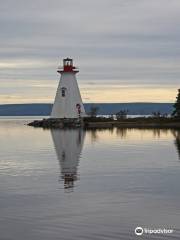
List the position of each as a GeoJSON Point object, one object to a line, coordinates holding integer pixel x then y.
{"type": "Point", "coordinates": [93, 185]}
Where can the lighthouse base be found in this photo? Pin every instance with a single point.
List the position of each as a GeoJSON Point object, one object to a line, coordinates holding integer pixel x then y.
{"type": "Point", "coordinates": [58, 123]}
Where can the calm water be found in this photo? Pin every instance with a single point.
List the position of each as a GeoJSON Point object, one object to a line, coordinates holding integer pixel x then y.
{"type": "Point", "coordinates": [87, 185]}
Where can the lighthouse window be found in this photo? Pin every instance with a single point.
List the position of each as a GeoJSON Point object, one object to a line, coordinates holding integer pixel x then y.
{"type": "Point", "coordinates": [63, 92]}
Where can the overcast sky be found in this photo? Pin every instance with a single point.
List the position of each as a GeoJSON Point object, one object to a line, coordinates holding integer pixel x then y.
{"type": "Point", "coordinates": [127, 50]}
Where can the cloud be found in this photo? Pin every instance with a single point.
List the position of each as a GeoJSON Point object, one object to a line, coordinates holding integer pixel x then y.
{"type": "Point", "coordinates": [113, 41]}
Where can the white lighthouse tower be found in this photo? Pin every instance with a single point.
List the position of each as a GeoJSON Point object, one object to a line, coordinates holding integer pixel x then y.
{"type": "Point", "coordinates": [68, 102]}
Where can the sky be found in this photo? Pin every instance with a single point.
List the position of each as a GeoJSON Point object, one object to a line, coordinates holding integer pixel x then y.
{"type": "Point", "coordinates": [126, 50]}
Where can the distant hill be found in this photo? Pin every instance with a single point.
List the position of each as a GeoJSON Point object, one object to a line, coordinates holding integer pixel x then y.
{"type": "Point", "coordinates": [44, 109]}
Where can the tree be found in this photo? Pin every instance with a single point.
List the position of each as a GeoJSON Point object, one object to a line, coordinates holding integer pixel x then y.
{"type": "Point", "coordinates": [122, 114]}
{"type": "Point", "coordinates": [156, 114]}
{"type": "Point", "coordinates": [176, 112]}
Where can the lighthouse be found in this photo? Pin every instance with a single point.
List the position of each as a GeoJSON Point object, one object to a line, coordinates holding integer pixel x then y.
{"type": "Point", "coordinates": [68, 102]}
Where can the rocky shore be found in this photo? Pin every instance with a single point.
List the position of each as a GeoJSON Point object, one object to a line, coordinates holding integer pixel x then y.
{"type": "Point", "coordinates": [56, 123]}
{"type": "Point", "coordinates": [107, 123]}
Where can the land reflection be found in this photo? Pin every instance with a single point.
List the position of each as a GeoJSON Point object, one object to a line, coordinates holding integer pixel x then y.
{"type": "Point", "coordinates": [68, 145]}
{"type": "Point", "coordinates": [136, 134]}
{"type": "Point", "coordinates": [177, 141]}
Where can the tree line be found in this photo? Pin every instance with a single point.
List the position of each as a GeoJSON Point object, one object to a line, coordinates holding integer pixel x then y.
{"type": "Point", "coordinates": [122, 114]}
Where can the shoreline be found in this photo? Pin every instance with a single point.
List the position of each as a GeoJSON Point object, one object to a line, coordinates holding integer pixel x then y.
{"type": "Point", "coordinates": [95, 123]}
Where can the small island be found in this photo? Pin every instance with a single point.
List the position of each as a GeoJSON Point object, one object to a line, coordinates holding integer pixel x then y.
{"type": "Point", "coordinates": [120, 120]}
{"type": "Point", "coordinates": [102, 122]}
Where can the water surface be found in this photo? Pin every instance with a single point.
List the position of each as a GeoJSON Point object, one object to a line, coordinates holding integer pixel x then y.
{"type": "Point", "coordinates": [72, 184]}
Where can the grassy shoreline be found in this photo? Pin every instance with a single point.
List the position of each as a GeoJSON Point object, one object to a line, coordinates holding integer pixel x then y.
{"type": "Point", "coordinates": [97, 122]}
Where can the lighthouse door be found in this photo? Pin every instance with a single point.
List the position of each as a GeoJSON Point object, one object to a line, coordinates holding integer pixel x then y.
{"type": "Point", "coordinates": [78, 107]}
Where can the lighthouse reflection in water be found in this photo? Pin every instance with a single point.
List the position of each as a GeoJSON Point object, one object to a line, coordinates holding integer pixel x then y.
{"type": "Point", "coordinates": [68, 144]}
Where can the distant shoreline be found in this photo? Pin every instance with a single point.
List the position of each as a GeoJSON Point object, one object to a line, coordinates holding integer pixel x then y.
{"type": "Point", "coordinates": [44, 109]}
